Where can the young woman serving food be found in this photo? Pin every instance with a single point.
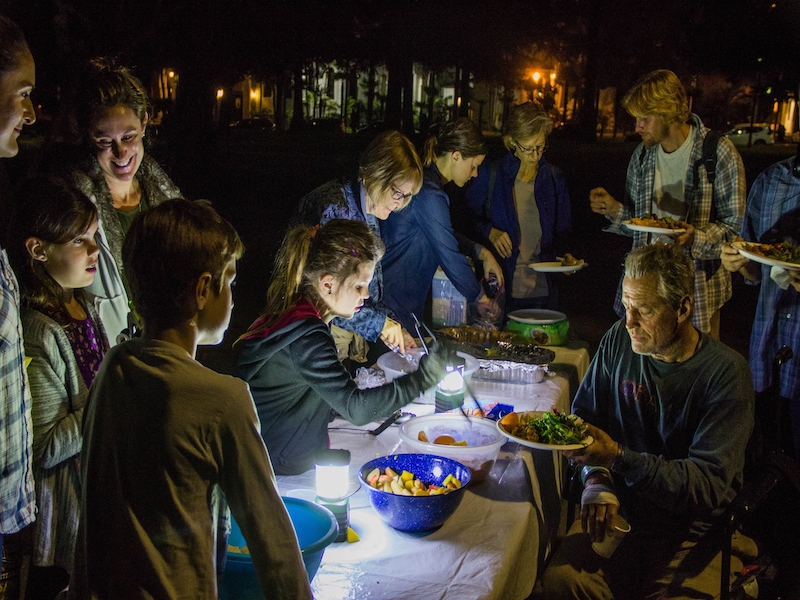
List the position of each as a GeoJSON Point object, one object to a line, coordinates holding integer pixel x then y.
{"type": "Point", "coordinates": [289, 358]}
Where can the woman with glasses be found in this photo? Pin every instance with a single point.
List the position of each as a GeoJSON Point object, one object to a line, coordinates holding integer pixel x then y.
{"type": "Point", "coordinates": [521, 205]}
{"type": "Point", "coordinates": [389, 174]}
{"type": "Point", "coordinates": [421, 238]}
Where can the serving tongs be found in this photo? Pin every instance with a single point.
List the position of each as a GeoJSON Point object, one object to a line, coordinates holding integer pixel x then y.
{"type": "Point", "coordinates": [396, 416]}
{"type": "Point", "coordinates": [417, 325]}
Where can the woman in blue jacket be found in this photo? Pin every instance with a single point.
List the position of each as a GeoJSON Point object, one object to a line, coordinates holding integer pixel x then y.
{"type": "Point", "coordinates": [522, 207]}
{"type": "Point", "coordinates": [420, 237]}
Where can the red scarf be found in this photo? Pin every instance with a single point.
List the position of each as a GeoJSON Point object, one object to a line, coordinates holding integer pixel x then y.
{"type": "Point", "coordinates": [302, 309]}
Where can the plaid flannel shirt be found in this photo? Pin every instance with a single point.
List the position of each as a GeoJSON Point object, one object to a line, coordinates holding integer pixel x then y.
{"type": "Point", "coordinates": [772, 216]}
{"type": "Point", "coordinates": [715, 211]}
{"type": "Point", "coordinates": [17, 504]}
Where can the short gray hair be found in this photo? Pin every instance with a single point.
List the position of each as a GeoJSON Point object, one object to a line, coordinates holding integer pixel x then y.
{"type": "Point", "coordinates": [672, 267]}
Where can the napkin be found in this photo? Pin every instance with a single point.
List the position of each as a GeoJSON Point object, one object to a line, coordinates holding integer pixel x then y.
{"type": "Point", "coordinates": [780, 276]}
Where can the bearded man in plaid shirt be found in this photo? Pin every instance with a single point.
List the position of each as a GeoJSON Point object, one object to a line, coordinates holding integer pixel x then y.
{"type": "Point", "coordinates": [667, 176]}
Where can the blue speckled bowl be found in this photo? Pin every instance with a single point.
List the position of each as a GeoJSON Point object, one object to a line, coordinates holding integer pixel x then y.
{"type": "Point", "coordinates": [416, 513]}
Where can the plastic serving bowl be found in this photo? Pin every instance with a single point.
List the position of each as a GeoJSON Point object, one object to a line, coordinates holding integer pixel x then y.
{"type": "Point", "coordinates": [393, 365]}
{"type": "Point", "coordinates": [416, 513]}
{"type": "Point", "coordinates": [316, 528]}
{"type": "Point", "coordinates": [482, 437]}
{"type": "Point", "coordinates": [539, 326]}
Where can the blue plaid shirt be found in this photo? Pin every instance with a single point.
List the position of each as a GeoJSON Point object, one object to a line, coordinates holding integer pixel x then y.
{"type": "Point", "coordinates": [17, 504]}
{"type": "Point", "coordinates": [715, 211]}
{"type": "Point", "coordinates": [773, 215]}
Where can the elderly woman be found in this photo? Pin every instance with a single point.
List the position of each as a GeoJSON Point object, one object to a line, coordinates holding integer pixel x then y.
{"type": "Point", "coordinates": [112, 111]}
{"type": "Point", "coordinates": [420, 238]}
{"type": "Point", "coordinates": [521, 205]}
{"type": "Point", "coordinates": [389, 174]}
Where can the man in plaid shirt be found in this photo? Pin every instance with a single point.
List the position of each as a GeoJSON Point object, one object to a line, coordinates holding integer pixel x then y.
{"type": "Point", "coordinates": [773, 215]}
{"type": "Point", "coordinates": [667, 177]}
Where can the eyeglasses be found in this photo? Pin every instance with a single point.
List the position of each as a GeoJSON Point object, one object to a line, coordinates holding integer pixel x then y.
{"type": "Point", "coordinates": [399, 195]}
{"type": "Point", "coordinates": [531, 149]}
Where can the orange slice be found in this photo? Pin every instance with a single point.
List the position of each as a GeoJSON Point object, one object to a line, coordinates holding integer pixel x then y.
{"type": "Point", "coordinates": [445, 440]}
{"type": "Point", "coordinates": [422, 437]}
{"type": "Point", "coordinates": [510, 421]}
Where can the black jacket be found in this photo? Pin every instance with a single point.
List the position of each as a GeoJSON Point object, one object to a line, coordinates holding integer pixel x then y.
{"type": "Point", "coordinates": [296, 378]}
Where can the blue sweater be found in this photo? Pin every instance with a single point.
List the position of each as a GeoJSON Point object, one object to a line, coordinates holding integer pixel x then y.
{"type": "Point", "coordinates": [552, 198]}
{"type": "Point", "coordinates": [418, 239]}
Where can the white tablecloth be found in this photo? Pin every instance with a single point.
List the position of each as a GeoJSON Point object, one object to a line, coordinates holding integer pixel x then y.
{"type": "Point", "coordinates": [493, 545]}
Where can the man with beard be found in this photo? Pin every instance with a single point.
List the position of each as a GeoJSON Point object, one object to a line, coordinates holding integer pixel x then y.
{"type": "Point", "coordinates": [670, 410]}
{"type": "Point", "coordinates": [670, 175]}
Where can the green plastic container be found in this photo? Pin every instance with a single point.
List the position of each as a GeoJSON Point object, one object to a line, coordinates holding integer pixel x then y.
{"type": "Point", "coordinates": [539, 326]}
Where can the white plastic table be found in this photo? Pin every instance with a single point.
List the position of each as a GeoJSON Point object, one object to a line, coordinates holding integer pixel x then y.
{"type": "Point", "coordinates": [493, 545]}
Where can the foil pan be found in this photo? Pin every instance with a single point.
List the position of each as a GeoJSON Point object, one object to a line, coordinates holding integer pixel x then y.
{"type": "Point", "coordinates": [510, 372]}
{"type": "Point", "coordinates": [521, 353]}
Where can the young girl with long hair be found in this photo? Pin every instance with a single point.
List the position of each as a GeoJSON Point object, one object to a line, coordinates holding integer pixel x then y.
{"type": "Point", "coordinates": [54, 255]}
{"type": "Point", "coordinates": [288, 356]}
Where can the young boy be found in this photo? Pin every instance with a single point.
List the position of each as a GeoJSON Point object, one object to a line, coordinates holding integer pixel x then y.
{"type": "Point", "coordinates": [161, 431]}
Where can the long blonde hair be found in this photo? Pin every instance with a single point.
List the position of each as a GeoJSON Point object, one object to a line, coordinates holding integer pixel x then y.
{"type": "Point", "coordinates": [338, 248]}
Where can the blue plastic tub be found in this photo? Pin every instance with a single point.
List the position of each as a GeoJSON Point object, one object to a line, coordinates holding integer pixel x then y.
{"type": "Point", "coordinates": [316, 528]}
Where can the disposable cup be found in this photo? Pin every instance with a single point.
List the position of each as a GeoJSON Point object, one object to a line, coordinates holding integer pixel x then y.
{"type": "Point", "coordinates": [619, 527]}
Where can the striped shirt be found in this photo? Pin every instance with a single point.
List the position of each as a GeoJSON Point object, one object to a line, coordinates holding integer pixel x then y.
{"type": "Point", "coordinates": [715, 211]}
{"type": "Point", "coordinates": [772, 216]}
{"type": "Point", "coordinates": [17, 504]}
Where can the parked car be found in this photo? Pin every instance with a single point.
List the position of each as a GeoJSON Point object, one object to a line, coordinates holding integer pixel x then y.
{"type": "Point", "coordinates": [255, 124]}
{"type": "Point", "coordinates": [756, 134]}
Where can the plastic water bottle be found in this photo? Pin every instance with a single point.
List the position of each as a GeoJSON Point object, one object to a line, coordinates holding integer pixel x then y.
{"type": "Point", "coordinates": [449, 307]}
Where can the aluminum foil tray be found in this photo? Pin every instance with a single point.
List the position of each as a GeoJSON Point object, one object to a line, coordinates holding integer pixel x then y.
{"type": "Point", "coordinates": [510, 372]}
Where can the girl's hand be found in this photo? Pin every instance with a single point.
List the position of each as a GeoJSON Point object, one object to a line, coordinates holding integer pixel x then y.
{"type": "Point", "coordinates": [408, 340]}
{"type": "Point", "coordinates": [501, 241]}
{"type": "Point", "coordinates": [392, 335]}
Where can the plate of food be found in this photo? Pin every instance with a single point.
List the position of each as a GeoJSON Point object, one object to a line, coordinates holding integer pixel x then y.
{"type": "Point", "coordinates": [650, 223]}
{"type": "Point", "coordinates": [549, 430]}
{"type": "Point", "coordinates": [783, 254]}
{"type": "Point", "coordinates": [565, 264]}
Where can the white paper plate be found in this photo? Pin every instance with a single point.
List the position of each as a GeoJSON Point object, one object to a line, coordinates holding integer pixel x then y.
{"type": "Point", "coordinates": [740, 246]}
{"type": "Point", "coordinates": [646, 229]}
{"type": "Point", "coordinates": [557, 267]}
{"type": "Point", "coordinates": [537, 316]}
{"type": "Point", "coordinates": [540, 446]}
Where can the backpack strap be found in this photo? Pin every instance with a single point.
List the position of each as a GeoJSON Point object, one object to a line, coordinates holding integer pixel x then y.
{"type": "Point", "coordinates": [710, 143]}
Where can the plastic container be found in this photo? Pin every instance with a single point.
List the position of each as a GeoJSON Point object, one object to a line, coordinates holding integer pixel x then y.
{"type": "Point", "coordinates": [449, 307]}
{"type": "Point", "coordinates": [483, 440]}
{"type": "Point", "coordinates": [316, 529]}
{"type": "Point", "coordinates": [416, 513]}
{"type": "Point", "coordinates": [539, 326]}
{"type": "Point", "coordinates": [393, 365]}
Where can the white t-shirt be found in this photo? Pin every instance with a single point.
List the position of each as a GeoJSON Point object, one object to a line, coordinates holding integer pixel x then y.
{"type": "Point", "coordinates": [669, 184]}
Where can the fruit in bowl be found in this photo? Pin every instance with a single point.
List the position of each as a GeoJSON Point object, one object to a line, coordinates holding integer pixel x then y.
{"type": "Point", "coordinates": [421, 512]}
{"type": "Point", "coordinates": [474, 442]}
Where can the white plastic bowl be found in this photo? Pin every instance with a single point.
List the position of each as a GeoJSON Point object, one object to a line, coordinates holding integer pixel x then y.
{"type": "Point", "coordinates": [483, 440]}
{"type": "Point", "coordinates": [393, 365]}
